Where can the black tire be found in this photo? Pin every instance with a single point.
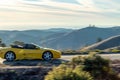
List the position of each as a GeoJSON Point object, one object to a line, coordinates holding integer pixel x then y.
{"type": "Point", "coordinates": [47, 55]}
{"type": "Point", "coordinates": [10, 56]}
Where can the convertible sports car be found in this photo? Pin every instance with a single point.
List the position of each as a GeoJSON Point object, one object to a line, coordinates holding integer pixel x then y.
{"type": "Point", "coordinates": [28, 51]}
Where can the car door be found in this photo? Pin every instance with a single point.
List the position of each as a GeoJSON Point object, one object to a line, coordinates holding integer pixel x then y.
{"type": "Point", "coordinates": [31, 52]}
{"type": "Point", "coordinates": [19, 53]}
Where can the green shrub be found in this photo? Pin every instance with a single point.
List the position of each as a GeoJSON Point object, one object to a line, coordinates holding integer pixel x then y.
{"type": "Point", "coordinates": [96, 65]}
{"type": "Point", "coordinates": [77, 60]}
{"type": "Point", "coordinates": [64, 72]}
{"type": "Point", "coordinates": [83, 75]}
{"type": "Point", "coordinates": [115, 51]}
{"type": "Point", "coordinates": [82, 68]}
{"type": "Point", "coordinates": [85, 52]}
{"type": "Point", "coordinates": [69, 51]}
{"type": "Point", "coordinates": [97, 50]}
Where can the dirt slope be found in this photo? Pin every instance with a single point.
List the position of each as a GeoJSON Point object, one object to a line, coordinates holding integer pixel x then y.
{"type": "Point", "coordinates": [105, 44]}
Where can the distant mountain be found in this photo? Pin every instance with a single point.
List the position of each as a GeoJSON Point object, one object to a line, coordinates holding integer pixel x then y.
{"type": "Point", "coordinates": [82, 37]}
{"type": "Point", "coordinates": [31, 36]}
{"type": "Point", "coordinates": [111, 42]}
{"type": "Point", "coordinates": [60, 38]}
{"type": "Point", "coordinates": [60, 30]}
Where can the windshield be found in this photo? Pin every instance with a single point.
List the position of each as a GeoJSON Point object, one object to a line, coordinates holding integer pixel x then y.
{"type": "Point", "coordinates": [38, 46]}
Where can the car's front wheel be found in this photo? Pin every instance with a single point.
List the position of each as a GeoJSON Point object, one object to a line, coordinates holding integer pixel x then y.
{"type": "Point", "coordinates": [10, 56]}
{"type": "Point", "coordinates": [47, 56]}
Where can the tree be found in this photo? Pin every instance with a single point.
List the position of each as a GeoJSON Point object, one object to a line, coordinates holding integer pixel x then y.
{"type": "Point", "coordinates": [2, 44]}
{"type": "Point", "coordinates": [0, 40]}
{"type": "Point", "coordinates": [18, 42]}
{"type": "Point", "coordinates": [99, 39]}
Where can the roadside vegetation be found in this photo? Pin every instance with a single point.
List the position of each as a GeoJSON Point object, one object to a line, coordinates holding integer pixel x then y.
{"type": "Point", "coordinates": [80, 52]}
{"type": "Point", "coordinates": [83, 52]}
{"type": "Point", "coordinates": [115, 51]}
{"type": "Point", "coordinates": [63, 72]}
{"type": "Point", "coordinates": [89, 67]}
{"type": "Point", "coordinates": [92, 67]}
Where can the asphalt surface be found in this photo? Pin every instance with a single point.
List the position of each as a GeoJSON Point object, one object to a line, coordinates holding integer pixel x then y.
{"type": "Point", "coordinates": [108, 56]}
{"type": "Point", "coordinates": [34, 63]}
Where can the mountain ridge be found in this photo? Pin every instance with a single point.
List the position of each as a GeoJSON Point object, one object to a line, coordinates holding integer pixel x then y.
{"type": "Point", "coordinates": [82, 37]}
{"type": "Point", "coordinates": [61, 38]}
{"type": "Point", "coordinates": [110, 42]}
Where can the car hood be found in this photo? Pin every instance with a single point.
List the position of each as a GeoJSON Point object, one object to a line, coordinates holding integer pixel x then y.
{"type": "Point", "coordinates": [50, 49]}
{"type": "Point", "coordinates": [47, 48]}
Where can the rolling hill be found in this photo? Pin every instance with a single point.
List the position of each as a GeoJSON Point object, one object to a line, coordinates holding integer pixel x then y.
{"type": "Point", "coordinates": [31, 36]}
{"type": "Point", "coordinates": [60, 38]}
{"type": "Point", "coordinates": [111, 42]}
{"type": "Point", "coordinates": [82, 37]}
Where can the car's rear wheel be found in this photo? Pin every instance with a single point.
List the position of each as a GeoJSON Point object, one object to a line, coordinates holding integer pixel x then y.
{"type": "Point", "coordinates": [47, 56]}
{"type": "Point", "coordinates": [10, 56]}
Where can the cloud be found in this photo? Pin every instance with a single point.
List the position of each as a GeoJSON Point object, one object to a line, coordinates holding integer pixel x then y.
{"type": "Point", "coordinates": [47, 12]}
{"type": "Point", "coordinates": [67, 1]}
{"type": "Point", "coordinates": [66, 6]}
{"type": "Point", "coordinates": [61, 6]}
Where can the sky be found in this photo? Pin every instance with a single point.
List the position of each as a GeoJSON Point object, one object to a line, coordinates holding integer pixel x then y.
{"type": "Point", "coordinates": [43, 14]}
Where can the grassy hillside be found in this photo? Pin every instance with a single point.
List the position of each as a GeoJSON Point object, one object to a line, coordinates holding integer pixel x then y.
{"type": "Point", "coordinates": [111, 42]}
{"type": "Point", "coordinates": [60, 38]}
{"type": "Point", "coordinates": [31, 36]}
{"type": "Point", "coordinates": [82, 37]}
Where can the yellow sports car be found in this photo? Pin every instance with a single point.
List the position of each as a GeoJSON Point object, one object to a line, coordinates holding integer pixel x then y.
{"type": "Point", "coordinates": [28, 51]}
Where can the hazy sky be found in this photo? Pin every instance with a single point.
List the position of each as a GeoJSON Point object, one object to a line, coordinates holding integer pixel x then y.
{"type": "Point", "coordinates": [24, 14]}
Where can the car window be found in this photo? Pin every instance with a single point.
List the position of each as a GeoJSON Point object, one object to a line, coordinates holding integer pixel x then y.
{"type": "Point", "coordinates": [17, 46]}
{"type": "Point", "coordinates": [29, 46]}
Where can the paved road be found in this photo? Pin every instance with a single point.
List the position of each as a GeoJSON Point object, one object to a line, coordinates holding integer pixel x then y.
{"type": "Point", "coordinates": [64, 58]}
{"type": "Point", "coordinates": [109, 56]}
{"type": "Point", "coordinates": [34, 63]}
